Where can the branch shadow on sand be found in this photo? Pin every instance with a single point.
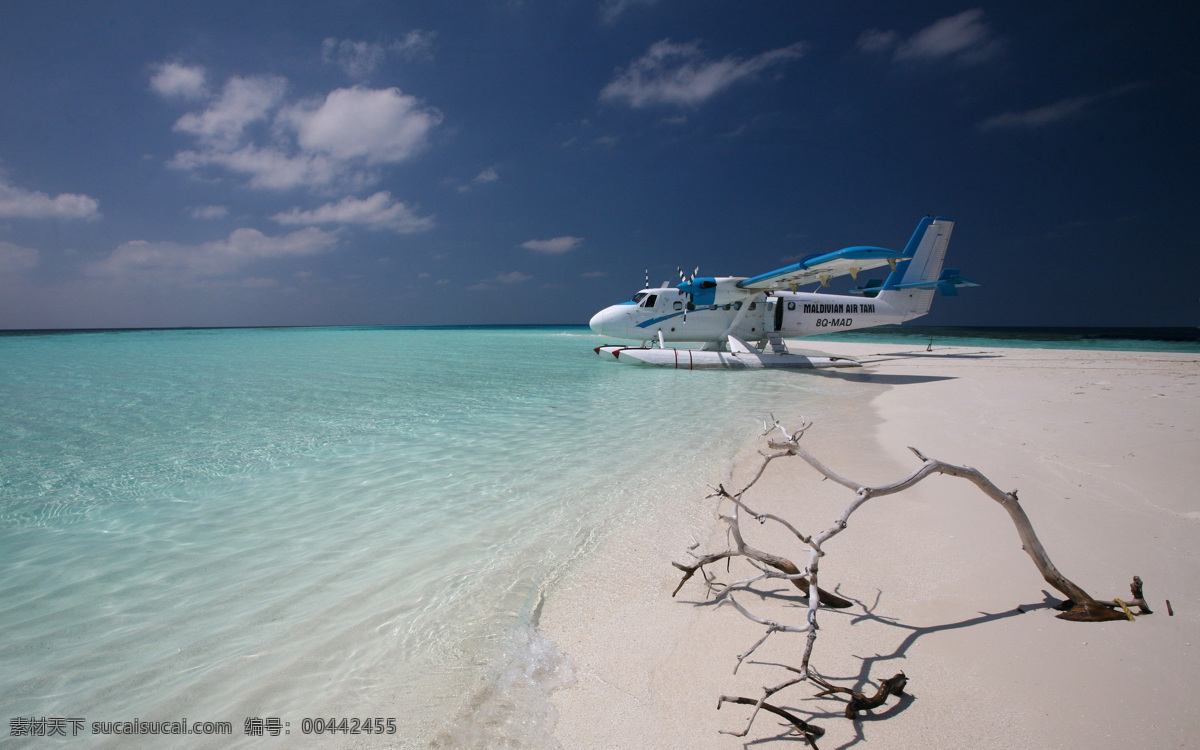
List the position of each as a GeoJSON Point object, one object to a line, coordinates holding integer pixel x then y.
{"type": "Point", "coordinates": [862, 681]}
{"type": "Point", "coordinates": [868, 664]}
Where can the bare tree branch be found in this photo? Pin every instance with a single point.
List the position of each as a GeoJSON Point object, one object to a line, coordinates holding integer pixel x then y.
{"type": "Point", "coordinates": [1080, 605]}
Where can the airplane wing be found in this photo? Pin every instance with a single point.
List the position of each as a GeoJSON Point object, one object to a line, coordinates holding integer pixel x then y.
{"type": "Point", "coordinates": [822, 268]}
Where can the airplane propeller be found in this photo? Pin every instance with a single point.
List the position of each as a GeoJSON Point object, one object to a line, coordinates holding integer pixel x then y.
{"type": "Point", "coordinates": [686, 280]}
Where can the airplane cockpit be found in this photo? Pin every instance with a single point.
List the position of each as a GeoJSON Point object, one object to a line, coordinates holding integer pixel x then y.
{"type": "Point", "coordinates": [652, 300]}
{"type": "Point", "coordinates": [649, 300]}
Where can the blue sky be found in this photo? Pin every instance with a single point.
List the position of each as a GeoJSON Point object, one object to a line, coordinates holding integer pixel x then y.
{"type": "Point", "coordinates": [274, 163]}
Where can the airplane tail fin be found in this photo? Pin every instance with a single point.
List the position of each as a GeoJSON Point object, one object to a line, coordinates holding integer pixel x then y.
{"type": "Point", "coordinates": [911, 286]}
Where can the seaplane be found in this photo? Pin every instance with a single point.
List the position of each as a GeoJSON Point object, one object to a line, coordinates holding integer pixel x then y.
{"type": "Point", "coordinates": [724, 314]}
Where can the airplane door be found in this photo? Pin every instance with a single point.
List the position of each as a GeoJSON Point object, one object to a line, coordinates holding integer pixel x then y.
{"type": "Point", "coordinates": [777, 307]}
{"type": "Point", "coordinates": [792, 322]}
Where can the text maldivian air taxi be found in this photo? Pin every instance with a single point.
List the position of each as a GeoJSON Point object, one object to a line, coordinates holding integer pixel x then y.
{"type": "Point", "coordinates": [724, 314]}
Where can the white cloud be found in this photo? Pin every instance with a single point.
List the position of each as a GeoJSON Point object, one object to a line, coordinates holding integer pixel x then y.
{"type": "Point", "coordinates": [512, 277]}
{"type": "Point", "coordinates": [488, 175]}
{"type": "Point", "coordinates": [553, 246]}
{"type": "Point", "coordinates": [243, 100]}
{"type": "Point", "coordinates": [269, 167]}
{"type": "Point", "coordinates": [874, 40]}
{"type": "Point", "coordinates": [140, 260]}
{"type": "Point", "coordinates": [209, 212]}
{"type": "Point", "coordinates": [416, 44]}
{"type": "Point", "coordinates": [1064, 109]}
{"type": "Point", "coordinates": [174, 80]}
{"type": "Point", "coordinates": [964, 38]}
{"type": "Point", "coordinates": [611, 10]}
{"type": "Point", "coordinates": [678, 74]}
{"type": "Point", "coordinates": [361, 59]}
{"type": "Point", "coordinates": [377, 212]}
{"type": "Point", "coordinates": [1035, 118]}
{"type": "Point", "coordinates": [14, 258]}
{"type": "Point", "coordinates": [18, 203]}
{"type": "Point", "coordinates": [339, 140]}
{"type": "Point", "coordinates": [375, 125]}
{"type": "Point", "coordinates": [356, 59]}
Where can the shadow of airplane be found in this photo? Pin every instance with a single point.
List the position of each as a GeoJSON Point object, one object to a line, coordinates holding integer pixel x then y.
{"type": "Point", "coordinates": [888, 356]}
{"type": "Point", "coordinates": [870, 377]}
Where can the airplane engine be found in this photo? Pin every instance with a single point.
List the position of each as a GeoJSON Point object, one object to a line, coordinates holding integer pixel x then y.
{"type": "Point", "coordinates": [710, 290]}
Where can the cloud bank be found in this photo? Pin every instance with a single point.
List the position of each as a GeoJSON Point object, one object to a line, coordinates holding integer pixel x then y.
{"type": "Point", "coordinates": [249, 129]}
{"type": "Point", "coordinates": [165, 262]}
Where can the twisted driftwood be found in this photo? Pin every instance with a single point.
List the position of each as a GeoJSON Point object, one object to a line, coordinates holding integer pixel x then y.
{"type": "Point", "coordinates": [859, 702]}
{"type": "Point", "coordinates": [1079, 605]}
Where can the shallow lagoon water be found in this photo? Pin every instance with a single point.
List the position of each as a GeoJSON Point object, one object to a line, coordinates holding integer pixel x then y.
{"type": "Point", "coordinates": [290, 523]}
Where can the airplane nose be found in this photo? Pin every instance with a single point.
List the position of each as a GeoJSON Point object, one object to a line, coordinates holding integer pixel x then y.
{"type": "Point", "coordinates": [607, 321]}
{"type": "Point", "coordinates": [597, 322]}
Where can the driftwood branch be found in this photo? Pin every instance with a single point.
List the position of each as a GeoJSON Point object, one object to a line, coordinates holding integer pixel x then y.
{"type": "Point", "coordinates": [740, 549]}
{"type": "Point", "coordinates": [858, 701]}
{"type": "Point", "coordinates": [802, 727]}
{"type": "Point", "coordinates": [1080, 606]}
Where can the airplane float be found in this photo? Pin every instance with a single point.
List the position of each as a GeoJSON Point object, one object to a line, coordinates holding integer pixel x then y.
{"type": "Point", "coordinates": [724, 314]}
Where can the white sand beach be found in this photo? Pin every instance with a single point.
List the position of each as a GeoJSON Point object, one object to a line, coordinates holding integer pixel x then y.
{"type": "Point", "coordinates": [1104, 450]}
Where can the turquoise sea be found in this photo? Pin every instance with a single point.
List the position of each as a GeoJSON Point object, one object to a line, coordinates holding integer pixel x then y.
{"type": "Point", "coordinates": [280, 524]}
{"type": "Point", "coordinates": [338, 522]}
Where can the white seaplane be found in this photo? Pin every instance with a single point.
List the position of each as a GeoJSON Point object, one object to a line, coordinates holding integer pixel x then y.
{"type": "Point", "coordinates": [724, 314]}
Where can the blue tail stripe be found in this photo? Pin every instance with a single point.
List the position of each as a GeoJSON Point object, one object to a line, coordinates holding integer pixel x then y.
{"type": "Point", "coordinates": [910, 250]}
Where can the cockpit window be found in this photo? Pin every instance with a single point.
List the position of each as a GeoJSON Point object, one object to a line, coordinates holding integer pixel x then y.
{"type": "Point", "coordinates": [651, 300]}
{"type": "Point", "coordinates": [639, 296]}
